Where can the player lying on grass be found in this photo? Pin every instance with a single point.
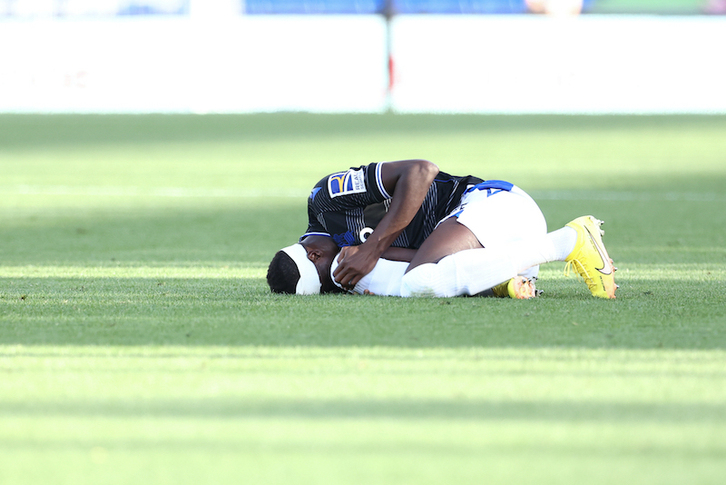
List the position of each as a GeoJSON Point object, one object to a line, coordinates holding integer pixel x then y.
{"type": "Point", "coordinates": [474, 271]}
{"type": "Point", "coordinates": [459, 235]}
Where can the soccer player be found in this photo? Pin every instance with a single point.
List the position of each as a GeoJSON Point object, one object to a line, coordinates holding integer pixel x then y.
{"type": "Point", "coordinates": [459, 235]}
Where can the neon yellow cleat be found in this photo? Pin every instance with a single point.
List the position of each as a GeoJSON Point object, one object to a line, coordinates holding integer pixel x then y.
{"type": "Point", "coordinates": [518, 288]}
{"type": "Point", "coordinates": [590, 259]}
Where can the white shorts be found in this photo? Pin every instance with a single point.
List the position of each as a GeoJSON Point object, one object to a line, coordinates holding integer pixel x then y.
{"type": "Point", "coordinates": [499, 217]}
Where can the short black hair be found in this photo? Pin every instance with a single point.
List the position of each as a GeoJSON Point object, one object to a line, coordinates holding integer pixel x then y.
{"type": "Point", "coordinates": [282, 274]}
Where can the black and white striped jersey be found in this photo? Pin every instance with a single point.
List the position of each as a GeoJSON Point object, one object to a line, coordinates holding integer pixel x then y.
{"type": "Point", "coordinates": [348, 205]}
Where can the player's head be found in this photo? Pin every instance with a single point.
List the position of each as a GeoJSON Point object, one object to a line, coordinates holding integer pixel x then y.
{"type": "Point", "coordinates": [303, 268]}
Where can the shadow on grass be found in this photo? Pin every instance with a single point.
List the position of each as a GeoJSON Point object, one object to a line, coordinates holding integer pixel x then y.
{"type": "Point", "coordinates": [246, 231]}
{"type": "Point", "coordinates": [32, 131]}
{"type": "Point", "coordinates": [242, 312]}
{"type": "Point", "coordinates": [226, 408]}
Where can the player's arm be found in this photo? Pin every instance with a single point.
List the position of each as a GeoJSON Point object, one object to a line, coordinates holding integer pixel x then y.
{"type": "Point", "coordinates": [399, 254]}
{"type": "Point", "coordinates": [408, 182]}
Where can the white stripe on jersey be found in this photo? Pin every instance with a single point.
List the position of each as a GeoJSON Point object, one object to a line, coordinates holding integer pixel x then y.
{"type": "Point", "coordinates": [379, 181]}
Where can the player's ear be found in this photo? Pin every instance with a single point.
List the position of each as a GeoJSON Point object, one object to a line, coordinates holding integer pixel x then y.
{"type": "Point", "coordinates": [314, 254]}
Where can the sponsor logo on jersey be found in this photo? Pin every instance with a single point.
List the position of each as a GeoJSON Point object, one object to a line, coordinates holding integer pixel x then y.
{"type": "Point", "coordinates": [346, 183]}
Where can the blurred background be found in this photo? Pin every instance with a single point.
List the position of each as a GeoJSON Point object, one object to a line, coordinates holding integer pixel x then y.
{"type": "Point", "coordinates": [373, 56]}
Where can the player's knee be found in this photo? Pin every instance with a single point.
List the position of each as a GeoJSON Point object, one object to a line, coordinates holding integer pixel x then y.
{"type": "Point", "coordinates": [420, 281]}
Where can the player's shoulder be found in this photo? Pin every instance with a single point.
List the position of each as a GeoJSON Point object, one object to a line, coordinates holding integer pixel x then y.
{"type": "Point", "coordinates": [349, 182]}
{"type": "Point", "coordinates": [444, 178]}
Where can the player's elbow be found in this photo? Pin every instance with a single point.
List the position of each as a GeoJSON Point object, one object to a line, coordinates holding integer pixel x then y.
{"type": "Point", "coordinates": [415, 172]}
{"type": "Point", "coordinates": [426, 169]}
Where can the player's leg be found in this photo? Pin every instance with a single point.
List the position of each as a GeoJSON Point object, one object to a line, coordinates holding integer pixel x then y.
{"type": "Point", "coordinates": [472, 271]}
{"type": "Point", "coordinates": [385, 279]}
{"type": "Point", "coordinates": [452, 262]}
{"type": "Point", "coordinates": [512, 231]}
{"type": "Point", "coordinates": [448, 238]}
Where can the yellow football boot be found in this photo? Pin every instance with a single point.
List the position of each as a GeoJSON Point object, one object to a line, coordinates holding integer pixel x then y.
{"type": "Point", "coordinates": [518, 288]}
{"type": "Point", "coordinates": [590, 259]}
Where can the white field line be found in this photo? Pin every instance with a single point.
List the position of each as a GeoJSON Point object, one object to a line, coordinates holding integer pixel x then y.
{"type": "Point", "coordinates": [159, 272]}
{"type": "Point", "coordinates": [629, 196]}
{"type": "Point", "coordinates": [186, 192]}
{"type": "Point", "coordinates": [714, 273]}
{"type": "Point", "coordinates": [182, 192]}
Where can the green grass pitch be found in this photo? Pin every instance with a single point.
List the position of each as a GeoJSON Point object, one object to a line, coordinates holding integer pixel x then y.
{"type": "Point", "coordinates": [139, 344]}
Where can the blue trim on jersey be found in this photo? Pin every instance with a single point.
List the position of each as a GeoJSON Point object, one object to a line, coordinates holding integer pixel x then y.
{"type": "Point", "coordinates": [379, 181]}
{"type": "Point", "coordinates": [491, 184]}
{"type": "Point", "coordinates": [313, 234]}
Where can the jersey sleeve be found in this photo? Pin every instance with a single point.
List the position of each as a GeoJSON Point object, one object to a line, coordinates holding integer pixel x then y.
{"type": "Point", "coordinates": [356, 187]}
{"type": "Point", "coordinates": [342, 197]}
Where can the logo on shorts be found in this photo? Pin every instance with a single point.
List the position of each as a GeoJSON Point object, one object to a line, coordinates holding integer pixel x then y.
{"type": "Point", "coordinates": [346, 183]}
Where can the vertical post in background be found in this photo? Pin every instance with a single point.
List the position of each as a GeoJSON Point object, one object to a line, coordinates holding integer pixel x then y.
{"type": "Point", "coordinates": [388, 16]}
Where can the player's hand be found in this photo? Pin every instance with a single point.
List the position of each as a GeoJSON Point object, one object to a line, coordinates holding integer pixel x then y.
{"type": "Point", "coordinates": [354, 262]}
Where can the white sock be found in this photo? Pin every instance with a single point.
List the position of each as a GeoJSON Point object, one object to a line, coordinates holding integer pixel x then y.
{"type": "Point", "coordinates": [475, 270]}
{"type": "Point", "coordinates": [464, 273]}
{"type": "Point", "coordinates": [564, 241]}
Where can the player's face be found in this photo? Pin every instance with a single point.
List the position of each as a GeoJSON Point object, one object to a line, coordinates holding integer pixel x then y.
{"type": "Point", "coordinates": [322, 264]}
{"type": "Point", "coordinates": [321, 251]}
